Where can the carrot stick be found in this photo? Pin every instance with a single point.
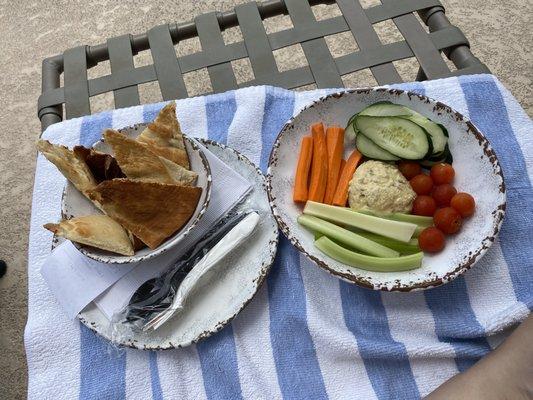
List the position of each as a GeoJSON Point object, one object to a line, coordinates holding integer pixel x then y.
{"type": "Point", "coordinates": [335, 145]}
{"type": "Point", "coordinates": [302, 170]}
{"type": "Point", "coordinates": [319, 165]}
{"type": "Point", "coordinates": [341, 194]}
{"type": "Point", "coordinates": [343, 164]}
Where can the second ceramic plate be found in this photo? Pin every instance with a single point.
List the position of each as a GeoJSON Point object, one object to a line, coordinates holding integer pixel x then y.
{"type": "Point", "coordinates": [239, 277]}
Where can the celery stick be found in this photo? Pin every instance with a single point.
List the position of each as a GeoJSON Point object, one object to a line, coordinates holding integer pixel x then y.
{"type": "Point", "coordinates": [418, 230]}
{"type": "Point", "coordinates": [402, 231]}
{"type": "Point", "coordinates": [346, 237]}
{"type": "Point", "coordinates": [368, 263]}
{"type": "Point", "coordinates": [419, 220]}
{"type": "Point", "coordinates": [401, 247]}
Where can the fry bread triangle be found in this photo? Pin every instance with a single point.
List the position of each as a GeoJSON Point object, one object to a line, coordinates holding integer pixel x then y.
{"type": "Point", "coordinates": [151, 211]}
{"type": "Point", "coordinates": [70, 164]}
{"type": "Point", "coordinates": [95, 230]}
{"type": "Point", "coordinates": [138, 162]}
{"type": "Point", "coordinates": [164, 137]}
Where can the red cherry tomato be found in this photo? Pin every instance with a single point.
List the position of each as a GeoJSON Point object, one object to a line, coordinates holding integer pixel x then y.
{"type": "Point", "coordinates": [442, 173]}
{"type": "Point", "coordinates": [431, 240]}
{"type": "Point", "coordinates": [424, 205]}
{"type": "Point", "coordinates": [464, 204]}
{"type": "Point", "coordinates": [443, 194]}
{"type": "Point", "coordinates": [421, 184]}
{"type": "Point", "coordinates": [447, 220]}
{"type": "Point", "coordinates": [409, 169]}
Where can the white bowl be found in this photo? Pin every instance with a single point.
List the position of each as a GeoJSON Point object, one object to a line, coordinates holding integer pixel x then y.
{"type": "Point", "coordinates": [75, 204]}
{"type": "Point", "coordinates": [478, 172]}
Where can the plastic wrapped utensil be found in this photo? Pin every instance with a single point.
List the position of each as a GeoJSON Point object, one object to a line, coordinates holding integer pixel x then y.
{"type": "Point", "coordinates": [159, 299]}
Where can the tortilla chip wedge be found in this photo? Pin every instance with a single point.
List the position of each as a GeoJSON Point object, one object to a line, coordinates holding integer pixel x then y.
{"type": "Point", "coordinates": [138, 162]}
{"type": "Point", "coordinates": [151, 211]}
{"type": "Point", "coordinates": [164, 136]}
{"type": "Point", "coordinates": [95, 230]}
{"type": "Point", "coordinates": [70, 164]}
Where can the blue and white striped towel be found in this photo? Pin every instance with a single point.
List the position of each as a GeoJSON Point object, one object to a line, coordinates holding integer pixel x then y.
{"type": "Point", "coordinates": [306, 335]}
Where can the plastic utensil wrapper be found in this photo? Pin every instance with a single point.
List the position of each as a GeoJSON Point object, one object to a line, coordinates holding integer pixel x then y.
{"type": "Point", "coordinates": [158, 299]}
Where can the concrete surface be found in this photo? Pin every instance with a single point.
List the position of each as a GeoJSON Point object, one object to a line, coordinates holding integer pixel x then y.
{"type": "Point", "coordinates": [500, 34]}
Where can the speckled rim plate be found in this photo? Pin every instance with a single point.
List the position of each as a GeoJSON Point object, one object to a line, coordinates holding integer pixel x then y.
{"type": "Point", "coordinates": [73, 203]}
{"type": "Point", "coordinates": [238, 277]}
{"type": "Point", "coordinates": [477, 172]}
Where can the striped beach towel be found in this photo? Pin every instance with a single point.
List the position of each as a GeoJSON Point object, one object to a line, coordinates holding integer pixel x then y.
{"type": "Point", "coordinates": [306, 334]}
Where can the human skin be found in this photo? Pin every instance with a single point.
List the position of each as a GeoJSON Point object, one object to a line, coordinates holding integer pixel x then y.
{"type": "Point", "coordinates": [505, 373]}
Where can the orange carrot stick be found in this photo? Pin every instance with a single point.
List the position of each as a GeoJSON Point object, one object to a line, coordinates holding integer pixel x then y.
{"type": "Point", "coordinates": [341, 194]}
{"type": "Point", "coordinates": [319, 165]}
{"type": "Point", "coordinates": [335, 145]}
{"type": "Point", "coordinates": [343, 164]}
{"type": "Point", "coordinates": [300, 192]}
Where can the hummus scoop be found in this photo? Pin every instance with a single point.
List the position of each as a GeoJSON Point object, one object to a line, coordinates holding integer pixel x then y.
{"type": "Point", "coordinates": [380, 187]}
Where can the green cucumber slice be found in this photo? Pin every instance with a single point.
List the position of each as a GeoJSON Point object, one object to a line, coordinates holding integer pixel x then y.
{"type": "Point", "coordinates": [345, 236]}
{"type": "Point", "coordinates": [445, 157]}
{"type": "Point", "coordinates": [439, 134]}
{"type": "Point", "coordinates": [369, 263]}
{"type": "Point", "coordinates": [371, 150]}
{"type": "Point", "coordinates": [438, 138]}
{"type": "Point", "coordinates": [386, 109]}
{"type": "Point", "coordinates": [350, 132]}
{"type": "Point", "coordinates": [379, 109]}
{"type": "Point", "coordinates": [398, 136]}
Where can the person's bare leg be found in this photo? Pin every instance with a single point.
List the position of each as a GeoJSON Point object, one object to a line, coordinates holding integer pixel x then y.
{"type": "Point", "coordinates": [505, 373]}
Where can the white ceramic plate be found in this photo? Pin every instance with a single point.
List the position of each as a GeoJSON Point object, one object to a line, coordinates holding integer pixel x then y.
{"type": "Point", "coordinates": [238, 276]}
{"type": "Point", "coordinates": [478, 172]}
{"type": "Point", "coordinates": [75, 204]}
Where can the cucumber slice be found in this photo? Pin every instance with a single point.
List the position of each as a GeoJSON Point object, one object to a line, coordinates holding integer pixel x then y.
{"type": "Point", "coordinates": [371, 150]}
{"type": "Point", "coordinates": [345, 236]}
{"type": "Point", "coordinates": [439, 135]}
{"type": "Point", "coordinates": [386, 109]}
{"type": "Point", "coordinates": [438, 138]}
{"type": "Point", "coordinates": [369, 263]}
{"type": "Point", "coordinates": [379, 109]}
{"type": "Point", "coordinates": [349, 132]}
{"type": "Point", "coordinates": [444, 130]}
{"type": "Point", "coordinates": [445, 157]}
{"type": "Point", "coordinates": [399, 136]}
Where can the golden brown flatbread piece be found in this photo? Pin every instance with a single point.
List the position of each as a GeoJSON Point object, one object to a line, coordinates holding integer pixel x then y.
{"type": "Point", "coordinates": [70, 164]}
{"type": "Point", "coordinates": [103, 166]}
{"type": "Point", "coordinates": [151, 211]}
{"type": "Point", "coordinates": [138, 162]}
{"type": "Point", "coordinates": [95, 230]}
{"type": "Point", "coordinates": [164, 136]}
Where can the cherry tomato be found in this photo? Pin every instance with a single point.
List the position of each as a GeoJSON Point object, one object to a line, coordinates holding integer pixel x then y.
{"type": "Point", "coordinates": [443, 194]}
{"type": "Point", "coordinates": [442, 173]}
{"type": "Point", "coordinates": [421, 184]}
{"type": "Point", "coordinates": [424, 205]}
{"type": "Point", "coordinates": [431, 240]}
{"type": "Point", "coordinates": [447, 220]}
{"type": "Point", "coordinates": [409, 169]}
{"type": "Point", "coordinates": [464, 204]}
